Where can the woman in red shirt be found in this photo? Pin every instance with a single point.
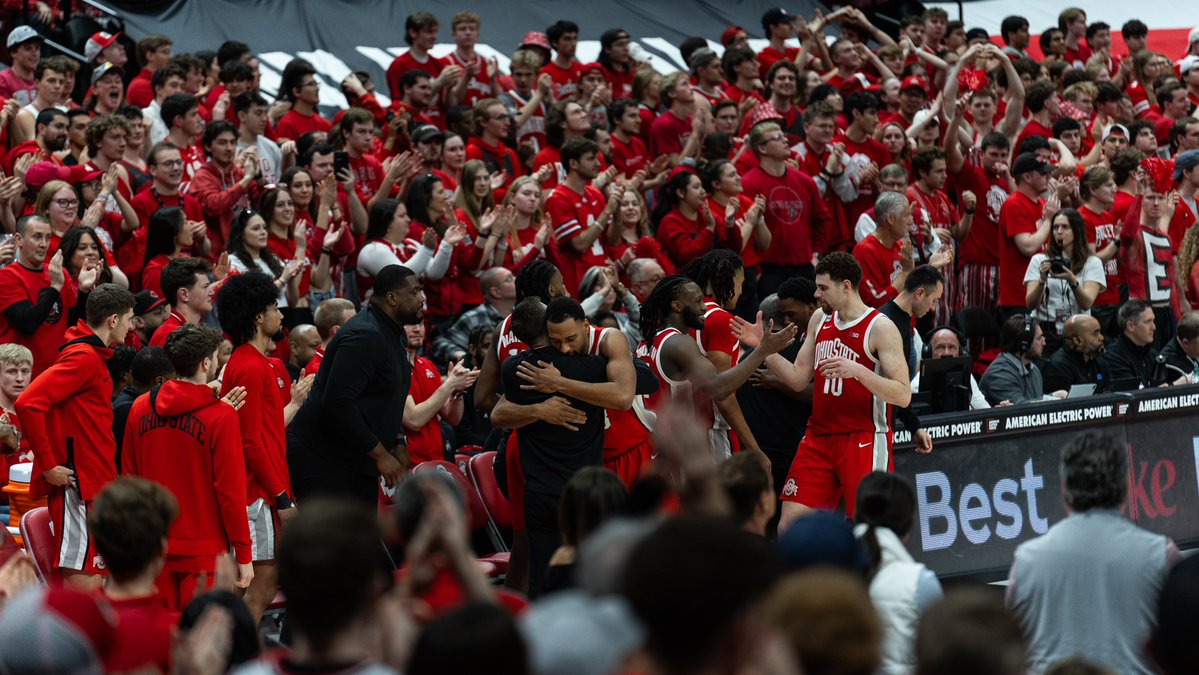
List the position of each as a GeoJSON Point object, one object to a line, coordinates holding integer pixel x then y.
{"type": "Point", "coordinates": [166, 236]}
{"type": "Point", "coordinates": [895, 137]}
{"type": "Point", "coordinates": [686, 226]}
{"type": "Point", "coordinates": [84, 260]}
{"type": "Point", "coordinates": [635, 240]}
{"type": "Point", "coordinates": [453, 158]}
{"type": "Point", "coordinates": [430, 208]}
{"type": "Point", "coordinates": [474, 204]}
{"type": "Point", "coordinates": [521, 232]}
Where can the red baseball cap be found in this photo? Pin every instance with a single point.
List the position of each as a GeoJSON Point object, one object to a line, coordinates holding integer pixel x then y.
{"type": "Point", "coordinates": [914, 82]}
{"type": "Point", "coordinates": [590, 67]}
{"type": "Point", "coordinates": [98, 43]}
{"type": "Point", "coordinates": [730, 34]}
{"type": "Point", "coordinates": [43, 172]}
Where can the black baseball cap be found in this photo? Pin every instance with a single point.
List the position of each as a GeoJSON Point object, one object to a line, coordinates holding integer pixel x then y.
{"type": "Point", "coordinates": [1030, 162]}
{"type": "Point", "coordinates": [146, 301]}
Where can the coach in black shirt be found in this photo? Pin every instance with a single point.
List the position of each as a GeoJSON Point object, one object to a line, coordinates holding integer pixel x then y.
{"type": "Point", "coordinates": [1077, 362]}
{"type": "Point", "coordinates": [549, 454]}
{"type": "Point", "coordinates": [349, 431]}
{"type": "Point", "coordinates": [919, 296]}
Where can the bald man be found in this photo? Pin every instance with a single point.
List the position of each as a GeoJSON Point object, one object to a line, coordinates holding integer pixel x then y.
{"type": "Point", "coordinates": [946, 344]}
{"type": "Point", "coordinates": [498, 285]}
{"type": "Point", "coordinates": [1077, 362]}
{"type": "Point", "coordinates": [303, 341]}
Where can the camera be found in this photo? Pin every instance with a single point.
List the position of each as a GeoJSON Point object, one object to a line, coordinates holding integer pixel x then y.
{"type": "Point", "coordinates": [1058, 264]}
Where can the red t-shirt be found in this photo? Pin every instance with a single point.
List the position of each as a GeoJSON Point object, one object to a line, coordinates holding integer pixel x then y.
{"type": "Point", "coordinates": [853, 83]}
{"type": "Point", "coordinates": [669, 134]}
{"type": "Point", "coordinates": [628, 158]}
{"type": "Point", "coordinates": [796, 214]}
{"type": "Point", "coordinates": [750, 255]}
{"type": "Point", "coordinates": [979, 247]}
{"type": "Point", "coordinates": [880, 268]}
{"type": "Point", "coordinates": [140, 91]}
{"type": "Point", "coordinates": [406, 62]}
{"type": "Point", "coordinates": [770, 56]}
{"type": "Point", "coordinates": [934, 209]}
{"type": "Point", "coordinates": [497, 158]}
{"type": "Point", "coordinates": [294, 125]}
{"type": "Point", "coordinates": [369, 173]}
{"type": "Point", "coordinates": [1019, 215]}
{"type": "Point", "coordinates": [620, 83]}
{"type": "Point", "coordinates": [1101, 231]}
{"type": "Point", "coordinates": [570, 213]}
{"type": "Point", "coordinates": [19, 283]}
{"type": "Point", "coordinates": [860, 155]}
{"type": "Point", "coordinates": [479, 86]}
{"type": "Point", "coordinates": [566, 80]}
{"type": "Point", "coordinates": [144, 640]}
{"type": "Point", "coordinates": [1078, 57]}
{"type": "Point", "coordinates": [738, 94]}
{"type": "Point", "coordinates": [425, 444]}
{"type": "Point", "coordinates": [1034, 128]}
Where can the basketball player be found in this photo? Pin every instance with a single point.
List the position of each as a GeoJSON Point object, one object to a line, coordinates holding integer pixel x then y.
{"type": "Point", "coordinates": [856, 355]}
{"type": "Point", "coordinates": [628, 446]}
{"type": "Point", "coordinates": [674, 306]}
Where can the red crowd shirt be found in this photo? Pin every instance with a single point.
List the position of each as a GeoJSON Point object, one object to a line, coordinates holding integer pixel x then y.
{"type": "Point", "coordinates": [980, 248]}
{"type": "Point", "coordinates": [880, 268]}
{"type": "Point", "coordinates": [1019, 215]}
{"type": "Point", "coordinates": [750, 255]}
{"type": "Point", "coordinates": [620, 83]}
{"type": "Point", "coordinates": [497, 158]}
{"type": "Point", "coordinates": [131, 254]}
{"type": "Point", "coordinates": [479, 86]}
{"type": "Point", "coordinates": [669, 134]}
{"type": "Point", "coordinates": [737, 94]}
{"type": "Point", "coordinates": [204, 468]}
{"type": "Point", "coordinates": [173, 322]}
{"type": "Point", "coordinates": [294, 125]}
{"type": "Point", "coordinates": [795, 213]}
{"type": "Point", "coordinates": [406, 62]}
{"type": "Point", "coordinates": [368, 171]}
{"type": "Point", "coordinates": [934, 209]}
{"type": "Point", "coordinates": [770, 56]}
{"type": "Point", "coordinates": [147, 630]}
{"type": "Point", "coordinates": [629, 158]}
{"type": "Point", "coordinates": [1101, 231]}
{"type": "Point", "coordinates": [566, 80]}
{"type": "Point", "coordinates": [263, 436]}
{"type": "Point", "coordinates": [21, 284]}
{"type": "Point", "coordinates": [685, 239]}
{"type": "Point", "coordinates": [1034, 128]}
{"type": "Point", "coordinates": [425, 444]}
{"type": "Point", "coordinates": [860, 155]}
{"type": "Point", "coordinates": [570, 213]}
{"type": "Point", "coordinates": [140, 92]}
{"type": "Point", "coordinates": [72, 399]}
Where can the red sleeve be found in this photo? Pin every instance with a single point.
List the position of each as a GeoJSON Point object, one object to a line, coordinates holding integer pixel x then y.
{"type": "Point", "coordinates": [663, 137]}
{"type": "Point", "coordinates": [250, 419]}
{"type": "Point", "coordinates": [682, 244]}
{"type": "Point", "coordinates": [229, 479]}
{"type": "Point", "coordinates": [12, 290]}
{"type": "Point", "coordinates": [285, 130]}
{"type": "Point", "coordinates": [563, 219]}
{"type": "Point", "coordinates": [820, 225]}
{"type": "Point", "coordinates": [215, 201]}
{"type": "Point", "coordinates": [371, 105]}
{"type": "Point", "coordinates": [64, 379]}
{"type": "Point", "coordinates": [139, 94]}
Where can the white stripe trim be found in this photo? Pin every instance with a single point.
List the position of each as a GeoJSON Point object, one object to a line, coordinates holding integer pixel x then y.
{"type": "Point", "coordinates": [73, 552]}
{"type": "Point", "coordinates": [566, 225]}
{"type": "Point", "coordinates": [866, 339]}
{"type": "Point", "coordinates": [879, 458]}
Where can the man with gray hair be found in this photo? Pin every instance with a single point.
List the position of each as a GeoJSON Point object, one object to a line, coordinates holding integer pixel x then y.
{"type": "Point", "coordinates": [891, 178]}
{"type": "Point", "coordinates": [1182, 353]}
{"type": "Point", "coordinates": [1090, 585]}
{"type": "Point", "coordinates": [644, 274]}
{"type": "Point", "coordinates": [886, 255]}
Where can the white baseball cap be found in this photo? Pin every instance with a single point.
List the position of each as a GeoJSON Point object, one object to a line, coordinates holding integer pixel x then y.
{"type": "Point", "coordinates": [22, 34]}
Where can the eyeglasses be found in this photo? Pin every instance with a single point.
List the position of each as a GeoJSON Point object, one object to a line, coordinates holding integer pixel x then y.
{"type": "Point", "coordinates": [67, 203]}
{"type": "Point", "coordinates": [310, 83]}
{"type": "Point", "coordinates": [172, 164]}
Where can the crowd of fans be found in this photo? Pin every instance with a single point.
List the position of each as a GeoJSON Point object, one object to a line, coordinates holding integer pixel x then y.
{"type": "Point", "coordinates": [240, 339]}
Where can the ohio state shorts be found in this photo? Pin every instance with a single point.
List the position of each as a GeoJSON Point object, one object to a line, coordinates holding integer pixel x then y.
{"type": "Point", "coordinates": [828, 468]}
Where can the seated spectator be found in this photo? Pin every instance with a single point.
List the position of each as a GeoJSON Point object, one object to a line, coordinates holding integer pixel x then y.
{"type": "Point", "coordinates": [946, 342]}
{"type": "Point", "coordinates": [747, 482]}
{"type": "Point", "coordinates": [900, 588]}
{"type": "Point", "coordinates": [969, 631]}
{"type": "Point", "coordinates": [643, 275]}
{"type": "Point", "coordinates": [1078, 361]}
{"type": "Point", "coordinates": [827, 621]}
{"type": "Point", "coordinates": [591, 497]}
{"type": "Point", "coordinates": [1131, 360]}
{"type": "Point", "coordinates": [129, 522]}
{"type": "Point", "coordinates": [1013, 377]}
{"type": "Point", "coordinates": [1103, 609]}
{"type": "Point", "coordinates": [1182, 353]}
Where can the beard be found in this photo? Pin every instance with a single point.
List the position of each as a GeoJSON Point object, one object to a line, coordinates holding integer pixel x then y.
{"type": "Point", "coordinates": [693, 320]}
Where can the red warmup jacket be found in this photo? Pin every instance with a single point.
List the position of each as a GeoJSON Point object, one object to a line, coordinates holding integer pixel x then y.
{"type": "Point", "coordinates": [221, 198]}
{"type": "Point", "coordinates": [263, 435]}
{"type": "Point", "coordinates": [184, 437]}
{"type": "Point", "coordinates": [72, 398]}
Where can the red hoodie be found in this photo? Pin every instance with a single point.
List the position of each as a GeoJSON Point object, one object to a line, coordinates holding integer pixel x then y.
{"type": "Point", "coordinates": [181, 435]}
{"type": "Point", "coordinates": [221, 197]}
{"type": "Point", "coordinates": [263, 434]}
{"type": "Point", "coordinates": [72, 399]}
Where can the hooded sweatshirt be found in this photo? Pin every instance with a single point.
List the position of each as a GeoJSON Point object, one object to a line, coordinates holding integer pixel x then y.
{"type": "Point", "coordinates": [72, 399]}
{"type": "Point", "coordinates": [181, 435]}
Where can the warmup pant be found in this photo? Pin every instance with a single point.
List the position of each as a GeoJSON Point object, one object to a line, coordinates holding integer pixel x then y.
{"type": "Point", "coordinates": [541, 520]}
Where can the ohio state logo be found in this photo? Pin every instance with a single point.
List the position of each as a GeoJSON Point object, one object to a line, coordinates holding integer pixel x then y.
{"type": "Point", "coordinates": [790, 489]}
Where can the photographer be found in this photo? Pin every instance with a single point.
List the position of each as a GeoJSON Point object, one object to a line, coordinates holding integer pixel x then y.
{"type": "Point", "coordinates": [1064, 281]}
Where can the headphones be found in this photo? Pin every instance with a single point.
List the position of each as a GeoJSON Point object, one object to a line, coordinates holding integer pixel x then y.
{"type": "Point", "coordinates": [1029, 334]}
{"type": "Point", "coordinates": [926, 351]}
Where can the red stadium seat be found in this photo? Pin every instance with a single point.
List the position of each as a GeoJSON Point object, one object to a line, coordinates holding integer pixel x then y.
{"type": "Point", "coordinates": [38, 536]}
{"type": "Point", "coordinates": [9, 546]}
{"type": "Point", "coordinates": [482, 473]}
{"type": "Point", "coordinates": [462, 460]}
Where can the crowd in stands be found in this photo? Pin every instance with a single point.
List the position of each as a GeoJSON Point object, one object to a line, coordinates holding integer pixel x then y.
{"type": "Point", "coordinates": [270, 363]}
